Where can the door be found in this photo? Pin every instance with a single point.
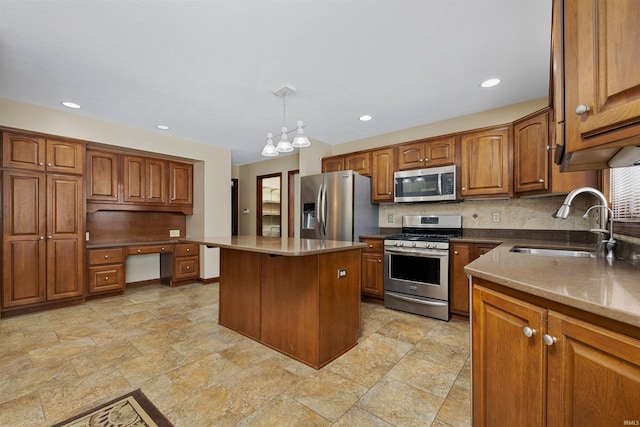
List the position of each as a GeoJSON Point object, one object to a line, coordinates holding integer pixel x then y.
{"type": "Point", "coordinates": [531, 158]}
{"type": "Point", "coordinates": [508, 367]}
{"type": "Point", "coordinates": [65, 269]}
{"type": "Point", "coordinates": [156, 179]}
{"type": "Point", "coordinates": [181, 184]}
{"type": "Point", "coordinates": [484, 168]}
{"type": "Point", "coordinates": [23, 151]}
{"type": "Point", "coordinates": [134, 179]}
{"type": "Point", "coordinates": [65, 157]}
{"type": "Point", "coordinates": [310, 201]}
{"type": "Point", "coordinates": [382, 175]}
{"type": "Point", "coordinates": [338, 206]}
{"type": "Point", "coordinates": [23, 260]}
{"type": "Point", "coordinates": [102, 176]}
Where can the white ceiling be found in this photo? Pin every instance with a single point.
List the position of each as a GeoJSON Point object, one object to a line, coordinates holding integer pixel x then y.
{"type": "Point", "coordinates": [208, 68]}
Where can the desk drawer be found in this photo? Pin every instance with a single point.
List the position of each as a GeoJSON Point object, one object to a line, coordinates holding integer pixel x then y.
{"type": "Point", "coordinates": [149, 249]}
{"type": "Point", "coordinates": [373, 245]}
{"type": "Point", "coordinates": [185, 249]}
{"type": "Point", "coordinates": [106, 256]}
{"type": "Point", "coordinates": [106, 278]}
{"type": "Point", "coordinates": [187, 267]}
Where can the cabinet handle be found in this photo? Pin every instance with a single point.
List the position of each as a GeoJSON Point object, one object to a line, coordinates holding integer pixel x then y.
{"type": "Point", "coordinates": [379, 260]}
{"type": "Point", "coordinates": [549, 340]}
{"type": "Point", "coordinates": [106, 257]}
{"type": "Point", "coordinates": [41, 164]}
{"type": "Point", "coordinates": [389, 193]}
{"type": "Point", "coordinates": [541, 180]}
{"type": "Point", "coordinates": [426, 160]}
{"type": "Point", "coordinates": [144, 197]}
{"type": "Point", "coordinates": [455, 252]}
{"type": "Point", "coordinates": [581, 109]}
{"type": "Point", "coordinates": [422, 160]}
{"type": "Point", "coordinates": [41, 237]}
{"type": "Point", "coordinates": [49, 164]}
{"type": "Point", "coordinates": [528, 332]}
{"type": "Point", "coordinates": [463, 189]}
{"type": "Point", "coordinates": [106, 278]}
{"type": "Point", "coordinates": [138, 250]}
{"type": "Point", "coordinates": [162, 249]}
{"type": "Point", "coordinates": [370, 246]}
{"type": "Point", "coordinates": [188, 250]}
{"type": "Point", "coordinates": [49, 237]}
{"type": "Point", "coordinates": [187, 267]}
{"type": "Point", "coordinates": [173, 198]}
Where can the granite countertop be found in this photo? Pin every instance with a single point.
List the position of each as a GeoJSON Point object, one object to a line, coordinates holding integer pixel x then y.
{"type": "Point", "coordinates": [608, 288]}
{"type": "Point", "coordinates": [276, 245]}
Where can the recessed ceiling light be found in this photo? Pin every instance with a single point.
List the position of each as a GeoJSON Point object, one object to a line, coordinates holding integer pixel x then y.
{"type": "Point", "coordinates": [163, 127]}
{"type": "Point", "coordinates": [490, 82]}
{"type": "Point", "coordinates": [70, 104]}
{"type": "Point", "coordinates": [365, 118]}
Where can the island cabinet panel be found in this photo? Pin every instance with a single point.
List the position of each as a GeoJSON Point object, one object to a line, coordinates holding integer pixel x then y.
{"type": "Point", "coordinates": [290, 307]}
{"type": "Point", "coordinates": [240, 290]}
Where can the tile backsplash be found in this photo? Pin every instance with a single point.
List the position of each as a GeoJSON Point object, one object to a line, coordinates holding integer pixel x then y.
{"type": "Point", "coordinates": [521, 213]}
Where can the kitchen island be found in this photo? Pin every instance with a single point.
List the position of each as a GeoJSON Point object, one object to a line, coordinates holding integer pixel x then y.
{"type": "Point", "coordinates": [298, 296]}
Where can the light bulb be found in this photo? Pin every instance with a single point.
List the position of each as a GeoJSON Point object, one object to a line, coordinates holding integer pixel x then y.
{"type": "Point", "coordinates": [300, 139]}
{"type": "Point", "coordinates": [269, 149]}
{"type": "Point", "coordinates": [284, 146]}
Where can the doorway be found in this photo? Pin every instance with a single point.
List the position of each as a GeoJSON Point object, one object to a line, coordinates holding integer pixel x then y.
{"type": "Point", "coordinates": [234, 207]}
{"type": "Point", "coordinates": [269, 205]}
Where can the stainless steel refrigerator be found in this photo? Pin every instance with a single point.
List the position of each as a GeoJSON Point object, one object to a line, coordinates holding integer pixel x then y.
{"type": "Point", "coordinates": [337, 206]}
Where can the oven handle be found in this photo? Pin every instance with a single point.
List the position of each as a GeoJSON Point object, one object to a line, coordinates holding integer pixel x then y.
{"type": "Point", "coordinates": [418, 301]}
{"type": "Point", "coordinates": [419, 252]}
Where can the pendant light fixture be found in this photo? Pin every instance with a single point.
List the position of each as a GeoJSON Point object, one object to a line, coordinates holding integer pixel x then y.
{"type": "Point", "coordinates": [284, 145]}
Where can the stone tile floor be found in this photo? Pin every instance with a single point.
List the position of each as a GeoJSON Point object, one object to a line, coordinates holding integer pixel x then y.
{"type": "Point", "coordinates": [405, 371]}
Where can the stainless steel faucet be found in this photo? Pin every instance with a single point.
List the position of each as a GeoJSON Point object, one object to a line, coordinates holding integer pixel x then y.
{"type": "Point", "coordinates": [563, 212]}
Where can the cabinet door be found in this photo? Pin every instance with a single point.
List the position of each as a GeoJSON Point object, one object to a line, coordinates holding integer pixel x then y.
{"type": "Point", "coordinates": [134, 179]}
{"type": "Point", "coordinates": [23, 151]}
{"type": "Point", "coordinates": [507, 364]}
{"type": "Point", "coordinates": [65, 157]}
{"type": "Point", "coordinates": [23, 228]}
{"type": "Point", "coordinates": [181, 184]}
{"type": "Point", "coordinates": [593, 375]}
{"type": "Point", "coordinates": [382, 175]}
{"type": "Point", "coordinates": [102, 176]}
{"type": "Point", "coordinates": [411, 156]}
{"type": "Point", "coordinates": [602, 45]}
{"type": "Point", "coordinates": [156, 179]}
{"type": "Point", "coordinates": [484, 168]}
{"type": "Point", "coordinates": [440, 152]}
{"type": "Point", "coordinates": [461, 255]}
{"type": "Point", "coordinates": [333, 164]}
{"type": "Point", "coordinates": [530, 155]}
{"type": "Point", "coordinates": [372, 275]}
{"type": "Point", "coordinates": [65, 240]}
{"type": "Point", "coordinates": [360, 162]}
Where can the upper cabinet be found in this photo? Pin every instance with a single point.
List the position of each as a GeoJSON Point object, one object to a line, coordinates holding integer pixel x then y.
{"type": "Point", "coordinates": [382, 175]}
{"type": "Point", "coordinates": [426, 153]}
{"type": "Point", "coordinates": [533, 169]}
{"type": "Point", "coordinates": [36, 153]}
{"type": "Point", "coordinates": [333, 164]}
{"type": "Point", "coordinates": [129, 182]}
{"type": "Point", "coordinates": [601, 79]}
{"type": "Point", "coordinates": [359, 162]}
{"type": "Point", "coordinates": [485, 163]}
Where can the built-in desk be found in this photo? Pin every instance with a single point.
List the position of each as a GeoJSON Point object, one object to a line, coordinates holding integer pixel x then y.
{"type": "Point", "coordinates": [179, 264]}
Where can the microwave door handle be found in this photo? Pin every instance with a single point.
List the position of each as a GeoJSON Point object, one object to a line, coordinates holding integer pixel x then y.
{"type": "Point", "coordinates": [440, 184]}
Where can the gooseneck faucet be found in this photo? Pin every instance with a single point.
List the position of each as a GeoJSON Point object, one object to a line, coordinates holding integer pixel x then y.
{"type": "Point", "coordinates": [611, 243]}
{"type": "Point", "coordinates": [563, 212]}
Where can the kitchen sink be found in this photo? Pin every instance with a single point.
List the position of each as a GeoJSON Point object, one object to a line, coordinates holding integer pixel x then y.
{"type": "Point", "coordinates": [555, 252]}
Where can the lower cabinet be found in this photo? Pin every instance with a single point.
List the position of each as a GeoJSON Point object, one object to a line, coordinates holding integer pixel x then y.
{"type": "Point", "coordinates": [553, 368]}
{"type": "Point", "coordinates": [461, 254]}
{"type": "Point", "coordinates": [373, 268]}
{"type": "Point", "coordinates": [106, 270]}
{"type": "Point", "coordinates": [180, 266]}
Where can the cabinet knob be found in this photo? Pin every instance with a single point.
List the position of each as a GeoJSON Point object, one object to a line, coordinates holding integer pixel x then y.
{"type": "Point", "coordinates": [106, 257]}
{"type": "Point", "coordinates": [144, 197]}
{"type": "Point", "coordinates": [389, 193]}
{"type": "Point", "coordinates": [581, 109]}
{"type": "Point", "coordinates": [138, 250]}
{"type": "Point", "coordinates": [162, 249]}
{"type": "Point", "coordinates": [426, 160]}
{"type": "Point", "coordinates": [541, 180]}
{"type": "Point", "coordinates": [173, 198]}
{"type": "Point", "coordinates": [49, 237]}
{"type": "Point", "coordinates": [463, 189]}
{"type": "Point", "coordinates": [41, 164]}
{"type": "Point", "coordinates": [106, 277]}
{"type": "Point", "coordinates": [455, 252]}
{"type": "Point", "coordinates": [188, 250]}
{"type": "Point", "coordinates": [370, 246]}
{"type": "Point", "coordinates": [49, 164]}
{"type": "Point", "coordinates": [422, 160]}
{"type": "Point", "coordinates": [549, 340]}
{"type": "Point", "coordinates": [379, 260]}
{"type": "Point", "coordinates": [528, 332]}
{"type": "Point", "coordinates": [188, 267]}
{"type": "Point", "coordinates": [41, 237]}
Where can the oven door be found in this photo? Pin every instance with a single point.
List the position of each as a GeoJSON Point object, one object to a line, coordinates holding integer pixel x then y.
{"type": "Point", "coordinates": [419, 272]}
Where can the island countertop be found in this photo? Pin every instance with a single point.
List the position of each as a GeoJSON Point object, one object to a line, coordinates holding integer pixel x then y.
{"type": "Point", "coordinates": [276, 245]}
{"type": "Point", "coordinates": [609, 289]}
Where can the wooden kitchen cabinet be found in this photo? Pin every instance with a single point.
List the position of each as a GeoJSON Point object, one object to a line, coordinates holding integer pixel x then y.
{"type": "Point", "coordinates": [554, 368]}
{"type": "Point", "coordinates": [359, 162]}
{"type": "Point", "coordinates": [373, 268]}
{"type": "Point", "coordinates": [182, 265]}
{"type": "Point", "coordinates": [42, 240]}
{"type": "Point", "coordinates": [37, 153]}
{"type": "Point", "coordinates": [426, 153]}
{"type": "Point", "coordinates": [180, 184]}
{"type": "Point", "coordinates": [333, 164]}
{"type": "Point", "coordinates": [534, 171]}
{"type": "Point", "coordinates": [461, 254]}
{"type": "Point", "coordinates": [601, 56]}
{"type": "Point", "coordinates": [102, 176]}
{"type": "Point", "coordinates": [144, 180]}
{"type": "Point", "coordinates": [485, 168]}
{"type": "Point", "coordinates": [106, 270]}
{"type": "Point", "coordinates": [383, 164]}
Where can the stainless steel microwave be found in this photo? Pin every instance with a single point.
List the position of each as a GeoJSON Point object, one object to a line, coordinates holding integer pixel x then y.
{"type": "Point", "coordinates": [425, 185]}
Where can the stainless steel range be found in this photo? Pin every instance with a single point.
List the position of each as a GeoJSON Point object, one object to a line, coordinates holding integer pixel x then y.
{"type": "Point", "coordinates": [416, 265]}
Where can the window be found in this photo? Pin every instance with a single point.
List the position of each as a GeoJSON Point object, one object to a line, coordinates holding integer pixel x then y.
{"type": "Point", "coordinates": [625, 193]}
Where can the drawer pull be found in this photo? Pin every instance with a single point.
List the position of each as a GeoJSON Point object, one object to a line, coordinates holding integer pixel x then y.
{"type": "Point", "coordinates": [188, 250]}
{"type": "Point", "coordinates": [106, 257]}
{"type": "Point", "coordinates": [188, 267]}
{"type": "Point", "coordinates": [370, 246]}
{"type": "Point", "coordinates": [528, 332]}
{"type": "Point", "coordinates": [162, 249]}
{"type": "Point", "coordinates": [106, 278]}
{"type": "Point", "coordinates": [139, 251]}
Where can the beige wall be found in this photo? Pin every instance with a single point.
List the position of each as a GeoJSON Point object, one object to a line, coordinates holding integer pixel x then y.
{"type": "Point", "coordinates": [212, 168]}
{"type": "Point", "coordinates": [247, 190]}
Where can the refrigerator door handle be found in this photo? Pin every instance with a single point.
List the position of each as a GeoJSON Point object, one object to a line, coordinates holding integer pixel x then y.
{"type": "Point", "coordinates": [324, 210]}
{"type": "Point", "coordinates": [318, 212]}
